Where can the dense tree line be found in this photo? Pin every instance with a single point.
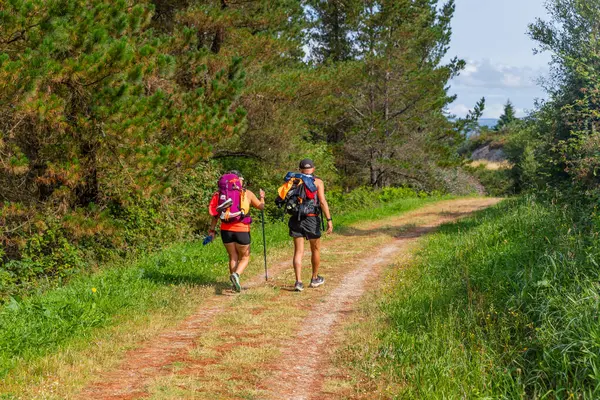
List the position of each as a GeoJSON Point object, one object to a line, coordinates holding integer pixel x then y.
{"type": "Point", "coordinates": [117, 116]}
{"type": "Point", "coordinates": [568, 123]}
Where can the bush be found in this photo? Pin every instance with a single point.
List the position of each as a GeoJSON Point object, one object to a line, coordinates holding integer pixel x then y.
{"type": "Point", "coordinates": [52, 249]}
{"type": "Point", "coordinates": [457, 182]}
{"type": "Point", "coordinates": [497, 182]}
{"type": "Point", "coordinates": [63, 247]}
{"type": "Point", "coordinates": [48, 257]}
{"type": "Point", "coordinates": [395, 193]}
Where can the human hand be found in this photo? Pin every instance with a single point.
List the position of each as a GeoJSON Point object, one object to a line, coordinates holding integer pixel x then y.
{"type": "Point", "coordinates": [208, 239]}
{"type": "Point", "coordinates": [329, 227]}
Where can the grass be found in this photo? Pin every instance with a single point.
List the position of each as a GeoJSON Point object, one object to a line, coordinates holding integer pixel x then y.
{"type": "Point", "coordinates": [491, 165]}
{"type": "Point", "coordinates": [502, 305]}
{"type": "Point", "coordinates": [42, 324]}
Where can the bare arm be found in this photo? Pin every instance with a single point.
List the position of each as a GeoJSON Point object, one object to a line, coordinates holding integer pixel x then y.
{"type": "Point", "coordinates": [255, 202]}
{"type": "Point", "coordinates": [324, 205]}
{"type": "Point", "coordinates": [213, 225]}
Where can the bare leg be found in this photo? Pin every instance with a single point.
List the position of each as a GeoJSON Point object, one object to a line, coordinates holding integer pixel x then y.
{"type": "Point", "coordinates": [315, 259]}
{"type": "Point", "coordinates": [233, 256]}
{"type": "Point", "coordinates": [243, 253]}
{"type": "Point", "coordinates": [298, 253]}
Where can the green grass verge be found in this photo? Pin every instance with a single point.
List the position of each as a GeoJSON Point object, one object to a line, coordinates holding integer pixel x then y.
{"type": "Point", "coordinates": [37, 325]}
{"type": "Point", "coordinates": [502, 305]}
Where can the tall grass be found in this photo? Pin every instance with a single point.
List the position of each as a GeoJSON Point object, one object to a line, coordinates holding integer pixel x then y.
{"type": "Point", "coordinates": [502, 305]}
{"type": "Point", "coordinates": [37, 325]}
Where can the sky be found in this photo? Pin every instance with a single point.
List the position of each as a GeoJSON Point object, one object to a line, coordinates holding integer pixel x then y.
{"type": "Point", "coordinates": [491, 36]}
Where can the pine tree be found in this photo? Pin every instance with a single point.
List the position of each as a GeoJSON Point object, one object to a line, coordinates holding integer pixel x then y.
{"type": "Point", "coordinates": [470, 123]}
{"type": "Point", "coordinates": [107, 104]}
{"type": "Point", "coordinates": [507, 117]}
{"type": "Point", "coordinates": [94, 107]}
{"type": "Point", "coordinates": [268, 35]}
{"type": "Point", "coordinates": [334, 25]}
{"type": "Point", "coordinates": [396, 100]}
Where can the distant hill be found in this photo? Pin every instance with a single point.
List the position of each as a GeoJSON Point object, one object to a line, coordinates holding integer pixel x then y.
{"type": "Point", "coordinates": [489, 122]}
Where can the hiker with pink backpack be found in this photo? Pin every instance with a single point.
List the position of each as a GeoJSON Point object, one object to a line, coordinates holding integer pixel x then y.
{"type": "Point", "coordinates": [231, 205]}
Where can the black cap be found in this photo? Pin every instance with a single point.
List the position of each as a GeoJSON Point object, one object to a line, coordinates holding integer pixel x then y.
{"type": "Point", "coordinates": [307, 163]}
{"type": "Point", "coordinates": [235, 172]}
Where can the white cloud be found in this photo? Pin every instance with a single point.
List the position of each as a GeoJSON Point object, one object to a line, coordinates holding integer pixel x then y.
{"type": "Point", "coordinates": [493, 110]}
{"type": "Point", "coordinates": [497, 82]}
{"type": "Point", "coordinates": [487, 74]}
{"type": "Point", "coordinates": [512, 80]}
{"type": "Point", "coordinates": [460, 110]}
{"type": "Point", "coordinates": [470, 69]}
{"type": "Point", "coordinates": [500, 61]}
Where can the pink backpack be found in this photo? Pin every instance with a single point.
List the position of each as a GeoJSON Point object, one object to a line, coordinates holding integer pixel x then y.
{"type": "Point", "coordinates": [229, 205]}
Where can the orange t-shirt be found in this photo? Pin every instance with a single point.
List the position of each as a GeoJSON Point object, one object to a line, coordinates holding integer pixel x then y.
{"type": "Point", "coordinates": [226, 226]}
{"type": "Point", "coordinates": [235, 226]}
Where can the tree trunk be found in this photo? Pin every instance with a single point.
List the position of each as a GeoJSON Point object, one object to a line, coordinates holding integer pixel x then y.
{"type": "Point", "coordinates": [219, 37]}
{"type": "Point", "coordinates": [88, 191]}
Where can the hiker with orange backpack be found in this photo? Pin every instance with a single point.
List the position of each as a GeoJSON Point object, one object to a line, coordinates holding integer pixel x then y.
{"type": "Point", "coordinates": [231, 205]}
{"type": "Point", "coordinates": [303, 197]}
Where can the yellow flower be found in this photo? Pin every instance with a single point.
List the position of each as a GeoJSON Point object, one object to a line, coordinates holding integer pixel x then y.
{"type": "Point", "coordinates": [93, 290]}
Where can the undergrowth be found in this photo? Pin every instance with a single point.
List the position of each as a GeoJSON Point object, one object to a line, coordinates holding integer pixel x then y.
{"type": "Point", "coordinates": [502, 305]}
{"type": "Point", "coordinates": [35, 325]}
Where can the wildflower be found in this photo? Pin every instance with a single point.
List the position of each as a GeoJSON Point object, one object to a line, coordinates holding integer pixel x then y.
{"type": "Point", "coordinates": [93, 290]}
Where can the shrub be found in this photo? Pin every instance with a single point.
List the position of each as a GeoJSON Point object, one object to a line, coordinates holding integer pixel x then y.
{"type": "Point", "coordinates": [394, 193]}
{"type": "Point", "coordinates": [47, 258]}
{"type": "Point", "coordinates": [497, 182]}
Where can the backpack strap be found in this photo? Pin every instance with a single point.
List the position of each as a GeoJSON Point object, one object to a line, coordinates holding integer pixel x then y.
{"type": "Point", "coordinates": [309, 180]}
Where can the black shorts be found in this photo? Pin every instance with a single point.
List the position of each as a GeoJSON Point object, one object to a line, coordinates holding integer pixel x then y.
{"type": "Point", "coordinates": [242, 238]}
{"type": "Point", "coordinates": [309, 227]}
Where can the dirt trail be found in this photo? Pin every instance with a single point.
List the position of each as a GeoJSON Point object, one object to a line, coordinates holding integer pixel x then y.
{"type": "Point", "coordinates": [294, 370]}
{"type": "Point", "coordinates": [299, 378]}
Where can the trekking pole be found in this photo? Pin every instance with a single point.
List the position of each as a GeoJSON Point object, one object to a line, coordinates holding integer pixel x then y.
{"type": "Point", "coordinates": [322, 220]}
{"type": "Point", "coordinates": [262, 212]}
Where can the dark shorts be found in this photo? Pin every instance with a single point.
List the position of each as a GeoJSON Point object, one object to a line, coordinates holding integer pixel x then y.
{"type": "Point", "coordinates": [309, 227]}
{"type": "Point", "coordinates": [242, 238]}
